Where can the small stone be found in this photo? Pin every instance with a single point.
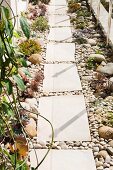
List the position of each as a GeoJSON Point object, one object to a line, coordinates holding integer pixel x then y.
{"type": "Point", "coordinates": [100, 168]}
{"type": "Point", "coordinates": [97, 57]}
{"type": "Point", "coordinates": [107, 159]}
{"type": "Point", "coordinates": [103, 154]}
{"type": "Point", "coordinates": [78, 144]}
{"type": "Point", "coordinates": [106, 132]}
{"type": "Point", "coordinates": [35, 58]}
{"type": "Point", "coordinates": [84, 144]}
{"type": "Point", "coordinates": [110, 150]}
{"type": "Point", "coordinates": [106, 165]}
{"type": "Point", "coordinates": [98, 164]}
{"type": "Point", "coordinates": [91, 42]}
{"type": "Point", "coordinates": [42, 143]}
{"type": "Point", "coordinates": [96, 149]}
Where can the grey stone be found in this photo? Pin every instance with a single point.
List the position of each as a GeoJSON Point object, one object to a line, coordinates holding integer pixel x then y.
{"type": "Point", "coordinates": [91, 42]}
{"type": "Point", "coordinates": [97, 57]}
{"type": "Point", "coordinates": [99, 163]}
{"type": "Point", "coordinates": [107, 69]}
{"type": "Point", "coordinates": [110, 150]}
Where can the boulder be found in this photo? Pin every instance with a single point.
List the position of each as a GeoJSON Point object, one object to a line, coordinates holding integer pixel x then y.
{"type": "Point", "coordinates": [97, 57]}
{"type": "Point", "coordinates": [106, 132]}
{"type": "Point", "coordinates": [107, 69]}
{"type": "Point", "coordinates": [35, 58]}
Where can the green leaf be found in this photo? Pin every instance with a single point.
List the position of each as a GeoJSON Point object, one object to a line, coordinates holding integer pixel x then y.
{"type": "Point", "coordinates": [25, 70]}
{"type": "Point", "coordinates": [7, 109]}
{"type": "Point", "coordinates": [19, 82]}
{"type": "Point", "coordinates": [25, 26]}
{"type": "Point", "coordinates": [8, 84]}
{"type": "Point", "coordinates": [15, 34]}
{"type": "Point", "coordinates": [1, 88]}
{"type": "Point", "coordinates": [7, 22]}
{"type": "Point", "coordinates": [23, 62]}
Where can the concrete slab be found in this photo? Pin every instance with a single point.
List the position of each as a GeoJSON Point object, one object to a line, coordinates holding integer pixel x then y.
{"type": "Point", "coordinates": [58, 2]}
{"type": "Point", "coordinates": [57, 10]}
{"type": "Point", "coordinates": [60, 52]}
{"type": "Point", "coordinates": [62, 34]}
{"type": "Point", "coordinates": [68, 116]}
{"type": "Point", "coordinates": [59, 21]}
{"type": "Point", "coordinates": [64, 160]}
{"type": "Point", "coordinates": [61, 77]}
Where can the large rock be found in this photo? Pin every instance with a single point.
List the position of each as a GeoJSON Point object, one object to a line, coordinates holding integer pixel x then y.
{"type": "Point", "coordinates": [30, 128]}
{"type": "Point", "coordinates": [106, 132]}
{"type": "Point", "coordinates": [35, 58]}
{"type": "Point", "coordinates": [107, 69]}
{"type": "Point", "coordinates": [97, 57]}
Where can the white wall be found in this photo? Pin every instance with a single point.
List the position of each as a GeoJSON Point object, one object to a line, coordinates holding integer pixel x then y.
{"type": "Point", "coordinates": [17, 6]}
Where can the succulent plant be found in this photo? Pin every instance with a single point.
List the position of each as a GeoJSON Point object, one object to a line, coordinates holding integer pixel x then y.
{"type": "Point", "coordinates": [30, 47]}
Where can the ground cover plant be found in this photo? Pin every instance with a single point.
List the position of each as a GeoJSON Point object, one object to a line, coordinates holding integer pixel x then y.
{"type": "Point", "coordinates": [14, 76]}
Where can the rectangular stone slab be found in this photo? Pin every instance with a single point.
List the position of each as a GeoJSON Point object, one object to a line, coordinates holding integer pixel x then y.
{"type": "Point", "coordinates": [64, 160]}
{"type": "Point", "coordinates": [59, 21]}
{"type": "Point", "coordinates": [57, 10]}
{"type": "Point", "coordinates": [68, 116]}
{"type": "Point", "coordinates": [58, 2]}
{"type": "Point", "coordinates": [61, 77]}
{"type": "Point", "coordinates": [60, 52]}
{"type": "Point", "coordinates": [62, 34]}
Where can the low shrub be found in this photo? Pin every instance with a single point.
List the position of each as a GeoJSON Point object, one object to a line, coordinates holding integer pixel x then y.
{"type": "Point", "coordinates": [73, 6]}
{"type": "Point", "coordinates": [40, 24]}
{"type": "Point", "coordinates": [29, 47]}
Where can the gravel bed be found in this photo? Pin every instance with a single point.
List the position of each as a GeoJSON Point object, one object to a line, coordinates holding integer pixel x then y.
{"type": "Point", "coordinates": [96, 105]}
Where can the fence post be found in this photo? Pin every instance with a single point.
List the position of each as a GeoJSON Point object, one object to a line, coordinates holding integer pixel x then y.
{"type": "Point", "coordinates": [109, 20]}
{"type": "Point", "coordinates": [98, 12]}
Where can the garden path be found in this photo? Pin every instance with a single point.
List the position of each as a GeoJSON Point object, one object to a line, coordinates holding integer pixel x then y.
{"type": "Point", "coordinates": [67, 113]}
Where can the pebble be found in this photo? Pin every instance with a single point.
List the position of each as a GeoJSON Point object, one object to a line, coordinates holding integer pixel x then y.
{"type": "Point", "coordinates": [96, 149]}
{"type": "Point", "coordinates": [100, 168]}
{"type": "Point", "coordinates": [99, 163]}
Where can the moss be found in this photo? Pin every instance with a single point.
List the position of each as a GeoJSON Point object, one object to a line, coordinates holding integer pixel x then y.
{"type": "Point", "coordinates": [29, 47]}
{"type": "Point", "coordinates": [40, 24]}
